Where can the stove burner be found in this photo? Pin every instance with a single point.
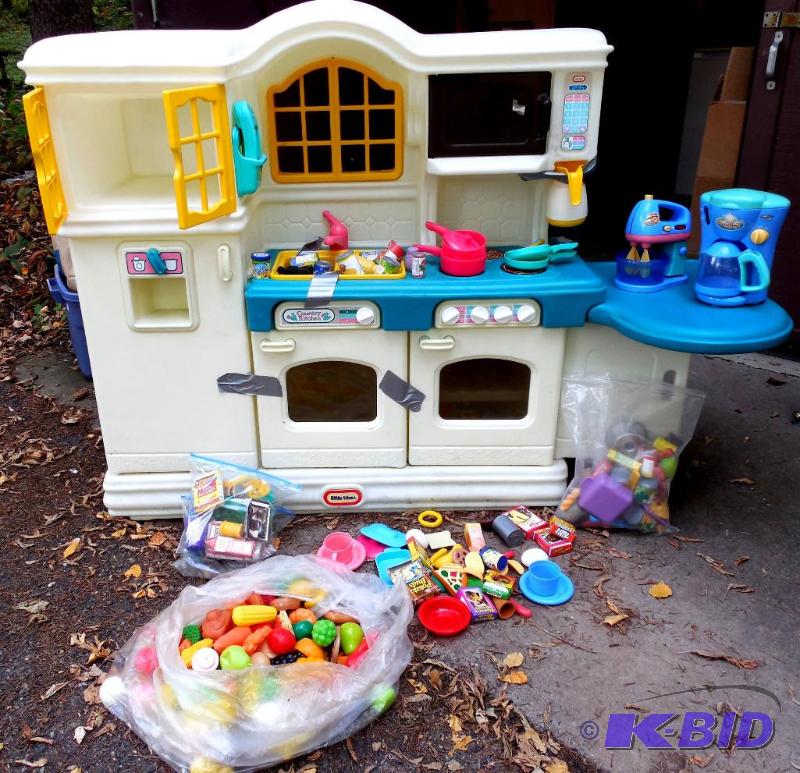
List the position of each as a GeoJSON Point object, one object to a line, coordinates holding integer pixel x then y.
{"type": "Point", "coordinates": [524, 272]}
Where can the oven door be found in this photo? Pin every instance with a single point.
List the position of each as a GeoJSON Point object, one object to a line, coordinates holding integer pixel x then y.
{"type": "Point", "coordinates": [492, 395]}
{"type": "Point", "coordinates": [332, 412]}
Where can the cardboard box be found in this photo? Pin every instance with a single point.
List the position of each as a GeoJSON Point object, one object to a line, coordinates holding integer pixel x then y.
{"type": "Point", "coordinates": [736, 81]}
{"type": "Point", "coordinates": [718, 157]}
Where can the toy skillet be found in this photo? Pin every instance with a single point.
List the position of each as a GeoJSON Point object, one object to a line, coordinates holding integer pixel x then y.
{"type": "Point", "coordinates": [538, 255]}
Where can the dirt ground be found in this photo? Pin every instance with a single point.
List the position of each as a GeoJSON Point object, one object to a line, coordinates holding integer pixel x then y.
{"type": "Point", "coordinates": [69, 606]}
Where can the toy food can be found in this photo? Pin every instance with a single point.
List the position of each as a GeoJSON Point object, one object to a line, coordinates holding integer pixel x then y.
{"type": "Point", "coordinates": [494, 559]}
{"type": "Point", "coordinates": [418, 266]}
{"type": "Point", "coordinates": [260, 262]}
{"type": "Point", "coordinates": [508, 531]}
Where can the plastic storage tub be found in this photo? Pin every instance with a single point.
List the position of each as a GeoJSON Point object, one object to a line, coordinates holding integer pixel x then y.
{"type": "Point", "coordinates": [69, 300]}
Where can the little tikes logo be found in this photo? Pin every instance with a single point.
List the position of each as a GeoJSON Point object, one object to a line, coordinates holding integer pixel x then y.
{"type": "Point", "coordinates": [349, 496]}
{"type": "Point", "coordinates": [697, 730]}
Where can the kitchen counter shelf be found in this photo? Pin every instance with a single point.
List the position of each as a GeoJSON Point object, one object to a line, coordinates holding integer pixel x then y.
{"type": "Point", "coordinates": [675, 319]}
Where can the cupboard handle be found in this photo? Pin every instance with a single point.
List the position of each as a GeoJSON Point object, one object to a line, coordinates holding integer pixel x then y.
{"type": "Point", "coordinates": [772, 56]}
{"type": "Point", "coordinates": [287, 345]}
{"type": "Point", "coordinates": [224, 263]}
{"type": "Point", "coordinates": [437, 344]}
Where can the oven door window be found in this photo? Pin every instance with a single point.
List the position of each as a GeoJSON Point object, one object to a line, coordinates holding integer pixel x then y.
{"type": "Point", "coordinates": [484, 389]}
{"type": "Point", "coordinates": [332, 391]}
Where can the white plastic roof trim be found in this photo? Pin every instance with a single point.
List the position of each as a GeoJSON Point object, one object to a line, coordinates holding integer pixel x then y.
{"type": "Point", "coordinates": [202, 56]}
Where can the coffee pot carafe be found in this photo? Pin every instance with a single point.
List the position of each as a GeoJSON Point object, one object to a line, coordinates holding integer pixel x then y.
{"type": "Point", "coordinates": [739, 233]}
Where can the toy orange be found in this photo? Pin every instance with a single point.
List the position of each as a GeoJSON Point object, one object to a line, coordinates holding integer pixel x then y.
{"type": "Point", "coordinates": [310, 649]}
{"type": "Point", "coordinates": [295, 616]}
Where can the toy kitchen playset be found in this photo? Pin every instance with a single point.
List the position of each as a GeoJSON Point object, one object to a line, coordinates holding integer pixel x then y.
{"type": "Point", "coordinates": [414, 375]}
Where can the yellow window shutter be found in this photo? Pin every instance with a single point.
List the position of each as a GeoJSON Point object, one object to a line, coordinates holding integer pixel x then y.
{"type": "Point", "coordinates": [44, 159]}
{"type": "Point", "coordinates": [200, 140]}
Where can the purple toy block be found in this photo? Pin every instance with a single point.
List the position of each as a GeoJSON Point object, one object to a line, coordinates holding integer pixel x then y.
{"type": "Point", "coordinates": [604, 498]}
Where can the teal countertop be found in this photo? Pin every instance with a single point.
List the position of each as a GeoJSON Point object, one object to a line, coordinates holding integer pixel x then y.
{"type": "Point", "coordinates": [570, 294]}
{"type": "Point", "coordinates": [675, 319]}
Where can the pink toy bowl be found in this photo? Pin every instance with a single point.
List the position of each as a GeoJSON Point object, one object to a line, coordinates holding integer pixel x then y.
{"type": "Point", "coordinates": [372, 547]}
{"type": "Point", "coordinates": [444, 615]}
{"type": "Point", "coordinates": [340, 548]}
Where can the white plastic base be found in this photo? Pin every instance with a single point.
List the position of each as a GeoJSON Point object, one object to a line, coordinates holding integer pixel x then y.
{"type": "Point", "coordinates": [375, 489]}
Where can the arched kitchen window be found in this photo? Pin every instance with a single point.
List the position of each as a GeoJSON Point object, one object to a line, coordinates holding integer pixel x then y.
{"type": "Point", "coordinates": [335, 121]}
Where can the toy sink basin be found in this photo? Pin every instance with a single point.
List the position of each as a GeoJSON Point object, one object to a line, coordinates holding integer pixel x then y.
{"type": "Point", "coordinates": [284, 257]}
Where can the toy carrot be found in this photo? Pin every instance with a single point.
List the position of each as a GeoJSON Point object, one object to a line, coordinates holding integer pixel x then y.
{"type": "Point", "coordinates": [234, 636]}
{"type": "Point", "coordinates": [256, 639]}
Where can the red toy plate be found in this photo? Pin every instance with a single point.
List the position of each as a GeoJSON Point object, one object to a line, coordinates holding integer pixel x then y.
{"type": "Point", "coordinates": [444, 615]}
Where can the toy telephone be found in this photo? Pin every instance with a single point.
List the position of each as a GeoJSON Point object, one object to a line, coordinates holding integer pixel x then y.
{"type": "Point", "coordinates": [248, 157]}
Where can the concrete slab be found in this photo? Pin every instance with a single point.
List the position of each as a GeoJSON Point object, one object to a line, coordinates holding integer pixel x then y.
{"type": "Point", "coordinates": [580, 671]}
{"type": "Point", "coordinates": [55, 374]}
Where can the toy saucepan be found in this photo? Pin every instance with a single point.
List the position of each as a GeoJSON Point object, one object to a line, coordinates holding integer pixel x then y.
{"type": "Point", "coordinates": [463, 253]}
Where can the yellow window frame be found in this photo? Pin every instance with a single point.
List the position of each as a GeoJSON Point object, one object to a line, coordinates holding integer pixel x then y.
{"type": "Point", "coordinates": [174, 100]}
{"type": "Point", "coordinates": [54, 205]}
{"type": "Point", "coordinates": [334, 107]}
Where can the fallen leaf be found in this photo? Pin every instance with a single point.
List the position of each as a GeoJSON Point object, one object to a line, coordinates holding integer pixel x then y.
{"type": "Point", "coordinates": [40, 763]}
{"type": "Point", "coordinates": [513, 659]}
{"type": "Point", "coordinates": [598, 586]}
{"type": "Point", "coordinates": [33, 606]}
{"type": "Point", "coordinates": [660, 590]}
{"type": "Point", "coordinates": [72, 547]}
{"type": "Point", "coordinates": [716, 565]}
{"type": "Point", "coordinates": [433, 766]}
{"type": "Point", "coordinates": [72, 416]}
{"type": "Point", "coordinates": [515, 677]}
{"type": "Point", "coordinates": [745, 480]}
{"type": "Point", "coordinates": [134, 570]}
{"type": "Point", "coordinates": [158, 539]}
{"type": "Point", "coordinates": [701, 762]}
{"type": "Point", "coordinates": [53, 689]}
{"type": "Point", "coordinates": [119, 533]}
{"type": "Point", "coordinates": [557, 766]}
{"type": "Point", "coordinates": [612, 607]}
{"type": "Point", "coordinates": [612, 620]}
{"type": "Point", "coordinates": [435, 678]}
{"type": "Point", "coordinates": [79, 394]}
{"type": "Point", "coordinates": [739, 561]}
{"type": "Point", "coordinates": [455, 723]}
{"type": "Point", "coordinates": [461, 742]}
{"type": "Point", "coordinates": [351, 750]}
{"type": "Point", "coordinates": [740, 588]}
{"type": "Point", "coordinates": [748, 665]}
{"type": "Point", "coordinates": [80, 734]}
{"type": "Point", "coordinates": [454, 765]}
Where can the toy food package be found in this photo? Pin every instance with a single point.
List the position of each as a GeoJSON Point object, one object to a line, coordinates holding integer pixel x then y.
{"type": "Point", "coordinates": [557, 539]}
{"type": "Point", "coordinates": [230, 517]}
{"type": "Point", "coordinates": [416, 577]}
{"type": "Point", "coordinates": [479, 604]}
{"type": "Point", "coordinates": [527, 520]}
{"type": "Point", "coordinates": [628, 436]}
{"type": "Point", "coordinates": [204, 703]}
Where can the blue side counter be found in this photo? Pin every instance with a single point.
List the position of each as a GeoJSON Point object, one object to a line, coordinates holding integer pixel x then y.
{"type": "Point", "coordinates": [675, 319]}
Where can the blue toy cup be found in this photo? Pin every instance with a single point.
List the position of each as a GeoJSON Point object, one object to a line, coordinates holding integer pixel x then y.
{"type": "Point", "coordinates": [545, 577]}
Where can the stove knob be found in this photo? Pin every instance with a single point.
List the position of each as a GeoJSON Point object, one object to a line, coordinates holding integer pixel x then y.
{"type": "Point", "coordinates": [502, 314]}
{"type": "Point", "coordinates": [365, 316]}
{"type": "Point", "coordinates": [450, 315]}
{"type": "Point", "coordinates": [759, 235]}
{"type": "Point", "coordinates": [526, 313]}
{"type": "Point", "coordinates": [479, 314]}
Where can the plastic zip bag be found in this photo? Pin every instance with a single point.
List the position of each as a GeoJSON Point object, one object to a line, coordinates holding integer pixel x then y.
{"type": "Point", "coordinates": [255, 717]}
{"type": "Point", "coordinates": [230, 517]}
{"type": "Point", "coordinates": [629, 435]}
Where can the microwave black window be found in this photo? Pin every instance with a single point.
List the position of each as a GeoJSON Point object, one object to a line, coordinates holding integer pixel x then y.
{"type": "Point", "coordinates": [332, 390]}
{"type": "Point", "coordinates": [483, 389]}
{"type": "Point", "coordinates": [489, 114]}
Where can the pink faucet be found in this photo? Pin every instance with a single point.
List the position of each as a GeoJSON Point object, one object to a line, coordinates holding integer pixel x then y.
{"type": "Point", "coordinates": [338, 238]}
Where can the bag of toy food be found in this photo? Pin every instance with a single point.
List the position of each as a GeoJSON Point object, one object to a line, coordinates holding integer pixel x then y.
{"type": "Point", "coordinates": [628, 436]}
{"type": "Point", "coordinates": [262, 664]}
{"type": "Point", "coordinates": [230, 517]}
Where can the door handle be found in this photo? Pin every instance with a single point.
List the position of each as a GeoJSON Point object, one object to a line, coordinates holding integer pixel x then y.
{"type": "Point", "coordinates": [772, 57]}
{"type": "Point", "coordinates": [224, 263]}
{"type": "Point", "coordinates": [437, 344]}
{"type": "Point", "coordinates": [287, 345]}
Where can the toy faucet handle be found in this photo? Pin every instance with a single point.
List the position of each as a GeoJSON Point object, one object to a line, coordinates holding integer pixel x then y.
{"type": "Point", "coordinates": [338, 236]}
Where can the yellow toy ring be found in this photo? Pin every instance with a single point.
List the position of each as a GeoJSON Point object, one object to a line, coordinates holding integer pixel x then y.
{"type": "Point", "coordinates": [430, 518]}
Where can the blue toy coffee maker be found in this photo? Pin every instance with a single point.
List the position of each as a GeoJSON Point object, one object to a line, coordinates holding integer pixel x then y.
{"type": "Point", "coordinates": [739, 233]}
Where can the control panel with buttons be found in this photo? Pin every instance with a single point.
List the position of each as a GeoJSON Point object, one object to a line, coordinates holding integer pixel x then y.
{"type": "Point", "coordinates": [489, 313]}
{"type": "Point", "coordinates": [336, 315]}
